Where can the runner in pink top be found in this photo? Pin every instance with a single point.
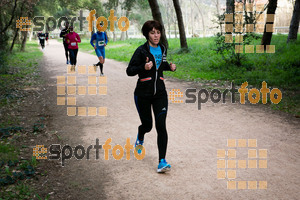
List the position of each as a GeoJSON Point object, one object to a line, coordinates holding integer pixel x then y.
{"type": "Point", "coordinates": [72, 39]}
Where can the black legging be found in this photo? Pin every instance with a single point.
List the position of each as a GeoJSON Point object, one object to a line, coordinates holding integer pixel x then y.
{"type": "Point", "coordinates": [42, 42]}
{"type": "Point", "coordinates": [160, 108]}
{"type": "Point", "coordinates": [66, 51]}
{"type": "Point", "coordinates": [73, 56]}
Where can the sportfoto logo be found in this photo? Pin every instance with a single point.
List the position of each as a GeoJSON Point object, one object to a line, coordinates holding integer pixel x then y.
{"type": "Point", "coordinates": [66, 152]}
{"type": "Point", "coordinates": [39, 22]}
{"type": "Point", "coordinates": [231, 160]}
{"type": "Point", "coordinates": [68, 91]}
{"type": "Point", "coordinates": [236, 26]}
{"type": "Point", "coordinates": [216, 95]}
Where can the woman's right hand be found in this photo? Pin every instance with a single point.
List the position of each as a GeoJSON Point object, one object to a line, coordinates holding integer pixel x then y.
{"type": "Point", "coordinates": [95, 47]}
{"type": "Point", "coordinates": [148, 64]}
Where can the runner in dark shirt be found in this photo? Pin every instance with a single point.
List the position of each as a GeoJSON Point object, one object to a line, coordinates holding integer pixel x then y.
{"type": "Point", "coordinates": [42, 37]}
{"type": "Point", "coordinates": [63, 34]}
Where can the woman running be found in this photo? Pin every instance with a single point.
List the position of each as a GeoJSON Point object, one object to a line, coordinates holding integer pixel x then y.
{"type": "Point", "coordinates": [101, 41]}
{"type": "Point", "coordinates": [148, 62]}
{"type": "Point", "coordinates": [72, 39]}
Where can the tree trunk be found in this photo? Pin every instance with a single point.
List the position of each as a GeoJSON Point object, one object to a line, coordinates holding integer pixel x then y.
{"type": "Point", "coordinates": [218, 13]}
{"type": "Point", "coordinates": [126, 33]}
{"type": "Point", "coordinates": [183, 42]}
{"type": "Point", "coordinates": [202, 17]}
{"type": "Point", "coordinates": [267, 36]}
{"type": "Point", "coordinates": [168, 19]}
{"type": "Point", "coordinates": [294, 22]}
{"type": "Point", "coordinates": [1, 26]}
{"type": "Point", "coordinates": [11, 19]}
{"type": "Point", "coordinates": [192, 18]}
{"type": "Point", "coordinates": [229, 10]}
{"type": "Point", "coordinates": [24, 33]}
{"type": "Point", "coordinates": [14, 40]}
{"type": "Point", "coordinates": [114, 36]}
{"type": "Point", "coordinates": [229, 6]}
{"type": "Point", "coordinates": [157, 16]}
{"type": "Point", "coordinates": [93, 30]}
{"type": "Point", "coordinates": [122, 37]}
{"type": "Point", "coordinates": [175, 31]}
{"type": "Point", "coordinates": [218, 7]}
{"type": "Point", "coordinates": [30, 35]}
{"type": "Point", "coordinates": [17, 30]}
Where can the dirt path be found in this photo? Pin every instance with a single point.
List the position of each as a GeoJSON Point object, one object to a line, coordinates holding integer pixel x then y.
{"type": "Point", "coordinates": [194, 137]}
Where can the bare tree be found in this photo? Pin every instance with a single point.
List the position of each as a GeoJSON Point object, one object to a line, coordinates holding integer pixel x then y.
{"type": "Point", "coordinates": [157, 16]}
{"type": "Point", "coordinates": [168, 18]}
{"type": "Point", "coordinates": [166, 7]}
{"type": "Point", "coordinates": [11, 17]}
{"type": "Point", "coordinates": [294, 22]}
{"type": "Point", "coordinates": [29, 13]}
{"type": "Point", "coordinates": [217, 3]}
{"type": "Point", "coordinates": [229, 10]}
{"type": "Point", "coordinates": [183, 42]}
{"type": "Point", "coordinates": [202, 18]}
{"type": "Point", "coordinates": [112, 4]}
{"type": "Point", "coordinates": [16, 29]}
{"type": "Point", "coordinates": [229, 6]}
{"type": "Point", "coordinates": [7, 14]}
{"type": "Point", "coordinates": [267, 36]}
{"type": "Point", "coordinates": [192, 18]}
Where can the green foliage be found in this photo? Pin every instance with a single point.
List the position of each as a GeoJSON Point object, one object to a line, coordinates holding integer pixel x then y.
{"type": "Point", "coordinates": [8, 153]}
{"type": "Point", "coordinates": [38, 126]}
{"type": "Point", "coordinates": [18, 191]}
{"type": "Point", "coordinates": [227, 50]}
{"type": "Point", "coordinates": [3, 62]}
{"type": "Point", "coordinates": [11, 169]}
{"type": "Point", "coordinates": [68, 8]}
{"type": "Point", "coordinates": [21, 72]}
{"type": "Point", "coordinates": [20, 69]}
{"type": "Point", "coordinates": [40, 198]}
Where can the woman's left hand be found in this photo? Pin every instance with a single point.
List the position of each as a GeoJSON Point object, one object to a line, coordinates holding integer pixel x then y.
{"type": "Point", "coordinates": [172, 67]}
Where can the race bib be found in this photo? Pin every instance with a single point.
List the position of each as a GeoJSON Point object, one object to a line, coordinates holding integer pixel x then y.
{"type": "Point", "coordinates": [101, 43]}
{"type": "Point", "coordinates": [42, 38]}
{"type": "Point", "coordinates": [73, 44]}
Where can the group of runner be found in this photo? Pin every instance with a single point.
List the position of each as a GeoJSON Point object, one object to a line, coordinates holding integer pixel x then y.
{"type": "Point", "coordinates": [148, 62]}
{"type": "Point", "coordinates": [71, 40]}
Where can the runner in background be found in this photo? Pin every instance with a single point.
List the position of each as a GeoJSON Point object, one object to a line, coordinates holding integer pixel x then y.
{"type": "Point", "coordinates": [42, 37]}
{"type": "Point", "coordinates": [148, 62]}
{"type": "Point", "coordinates": [47, 35]}
{"type": "Point", "coordinates": [72, 40]}
{"type": "Point", "coordinates": [101, 40]}
{"type": "Point", "coordinates": [63, 34]}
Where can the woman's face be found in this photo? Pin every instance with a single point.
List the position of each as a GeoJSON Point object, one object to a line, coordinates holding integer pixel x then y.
{"type": "Point", "coordinates": [154, 37]}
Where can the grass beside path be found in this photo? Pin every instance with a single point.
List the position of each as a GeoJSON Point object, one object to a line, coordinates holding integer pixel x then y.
{"type": "Point", "coordinates": [202, 64]}
{"type": "Point", "coordinates": [18, 71]}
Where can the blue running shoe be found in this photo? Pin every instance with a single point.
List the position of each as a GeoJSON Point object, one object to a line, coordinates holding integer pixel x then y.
{"type": "Point", "coordinates": [68, 62]}
{"type": "Point", "coordinates": [138, 145]}
{"type": "Point", "coordinates": [163, 166]}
